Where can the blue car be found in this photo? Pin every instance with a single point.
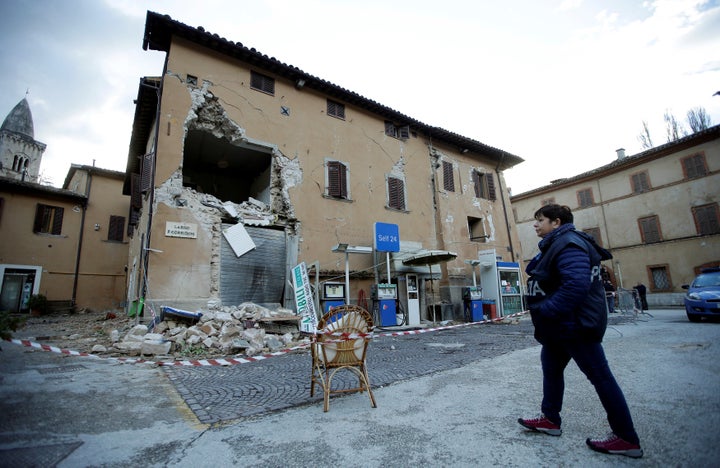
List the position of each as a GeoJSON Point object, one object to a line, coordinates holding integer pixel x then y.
{"type": "Point", "coordinates": [703, 295]}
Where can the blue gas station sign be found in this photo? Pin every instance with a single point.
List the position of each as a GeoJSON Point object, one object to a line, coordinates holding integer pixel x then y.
{"type": "Point", "coordinates": [387, 237]}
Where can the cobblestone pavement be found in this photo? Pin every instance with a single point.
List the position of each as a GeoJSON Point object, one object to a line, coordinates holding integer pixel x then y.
{"type": "Point", "coordinates": [217, 394]}
{"type": "Point", "coordinates": [224, 393]}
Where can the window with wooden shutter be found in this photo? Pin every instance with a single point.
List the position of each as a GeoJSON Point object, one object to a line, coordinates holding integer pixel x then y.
{"type": "Point", "coordinates": [396, 193]}
{"type": "Point", "coordinates": [147, 166]}
{"type": "Point", "coordinates": [116, 228]}
{"type": "Point", "coordinates": [640, 182]}
{"type": "Point", "coordinates": [335, 109]}
{"type": "Point", "coordinates": [547, 201]}
{"type": "Point", "coordinates": [585, 198]}
{"type": "Point", "coordinates": [48, 219]}
{"type": "Point", "coordinates": [401, 132]}
{"type": "Point", "coordinates": [263, 83]}
{"type": "Point", "coordinates": [448, 179]}
{"type": "Point", "coordinates": [484, 184]}
{"type": "Point", "coordinates": [706, 219]}
{"type": "Point", "coordinates": [694, 166]}
{"type": "Point", "coordinates": [650, 229]}
{"type": "Point", "coordinates": [337, 180]}
{"type": "Point", "coordinates": [135, 191]}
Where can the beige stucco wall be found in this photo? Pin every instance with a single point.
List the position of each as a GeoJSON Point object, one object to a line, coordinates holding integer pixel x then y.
{"type": "Point", "coordinates": [617, 210]}
{"type": "Point", "coordinates": [102, 276]}
{"type": "Point", "coordinates": [54, 253]}
{"type": "Point", "coordinates": [301, 143]}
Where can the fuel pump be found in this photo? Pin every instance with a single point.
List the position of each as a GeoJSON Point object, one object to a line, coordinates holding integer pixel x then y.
{"type": "Point", "coordinates": [384, 296]}
{"type": "Point", "coordinates": [472, 297]}
{"type": "Point", "coordinates": [333, 295]}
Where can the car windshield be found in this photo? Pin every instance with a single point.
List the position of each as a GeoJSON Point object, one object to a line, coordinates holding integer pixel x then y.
{"type": "Point", "coordinates": [706, 280]}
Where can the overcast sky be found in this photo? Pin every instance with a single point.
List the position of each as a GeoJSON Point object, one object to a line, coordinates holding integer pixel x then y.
{"type": "Point", "coordinates": [560, 83]}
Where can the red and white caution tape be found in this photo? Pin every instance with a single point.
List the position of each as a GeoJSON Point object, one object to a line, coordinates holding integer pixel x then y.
{"type": "Point", "coordinates": [249, 359]}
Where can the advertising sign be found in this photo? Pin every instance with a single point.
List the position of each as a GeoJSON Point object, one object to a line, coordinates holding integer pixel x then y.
{"type": "Point", "coordinates": [304, 299]}
{"type": "Point", "coordinates": [387, 237]}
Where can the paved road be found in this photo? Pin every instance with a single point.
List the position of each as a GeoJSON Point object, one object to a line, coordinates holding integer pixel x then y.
{"type": "Point", "coordinates": [446, 398]}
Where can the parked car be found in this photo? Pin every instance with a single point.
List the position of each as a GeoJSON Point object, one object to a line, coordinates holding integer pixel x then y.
{"type": "Point", "coordinates": [703, 295]}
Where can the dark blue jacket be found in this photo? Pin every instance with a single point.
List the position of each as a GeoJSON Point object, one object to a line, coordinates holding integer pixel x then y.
{"type": "Point", "coordinates": [565, 290]}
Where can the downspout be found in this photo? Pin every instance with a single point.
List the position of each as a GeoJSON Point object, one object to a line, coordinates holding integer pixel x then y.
{"type": "Point", "coordinates": [88, 185]}
{"type": "Point", "coordinates": [151, 199]}
{"type": "Point", "coordinates": [505, 212]}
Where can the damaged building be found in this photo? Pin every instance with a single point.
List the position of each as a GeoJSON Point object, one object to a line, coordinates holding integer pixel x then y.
{"type": "Point", "coordinates": [241, 167]}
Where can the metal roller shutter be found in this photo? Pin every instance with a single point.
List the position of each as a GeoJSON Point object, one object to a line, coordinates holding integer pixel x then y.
{"type": "Point", "coordinates": [257, 276]}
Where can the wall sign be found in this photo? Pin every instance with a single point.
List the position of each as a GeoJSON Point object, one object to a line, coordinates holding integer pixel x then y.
{"type": "Point", "coordinates": [185, 230]}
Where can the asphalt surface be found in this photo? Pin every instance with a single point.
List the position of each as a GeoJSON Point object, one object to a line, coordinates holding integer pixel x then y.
{"type": "Point", "coordinates": [445, 398]}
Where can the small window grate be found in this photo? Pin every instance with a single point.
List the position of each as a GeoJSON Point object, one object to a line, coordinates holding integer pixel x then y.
{"type": "Point", "coordinates": [263, 83]}
{"type": "Point", "coordinates": [335, 109]}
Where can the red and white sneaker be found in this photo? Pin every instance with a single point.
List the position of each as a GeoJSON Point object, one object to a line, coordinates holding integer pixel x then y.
{"type": "Point", "coordinates": [615, 445]}
{"type": "Point", "coordinates": [541, 424]}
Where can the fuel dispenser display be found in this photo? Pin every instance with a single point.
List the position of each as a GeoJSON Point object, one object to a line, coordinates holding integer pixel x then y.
{"type": "Point", "coordinates": [384, 298]}
{"type": "Point", "coordinates": [472, 297]}
{"type": "Point", "coordinates": [333, 295]}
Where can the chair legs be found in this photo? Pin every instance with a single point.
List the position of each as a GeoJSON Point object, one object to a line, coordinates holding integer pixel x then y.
{"type": "Point", "coordinates": [323, 377]}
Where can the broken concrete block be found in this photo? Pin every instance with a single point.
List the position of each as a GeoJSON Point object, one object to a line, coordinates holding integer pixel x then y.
{"type": "Point", "coordinates": [98, 349]}
{"type": "Point", "coordinates": [155, 347]}
{"type": "Point", "coordinates": [273, 343]}
{"type": "Point", "coordinates": [137, 330]}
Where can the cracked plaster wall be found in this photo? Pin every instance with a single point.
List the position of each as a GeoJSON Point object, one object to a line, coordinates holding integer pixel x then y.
{"type": "Point", "coordinates": [207, 114]}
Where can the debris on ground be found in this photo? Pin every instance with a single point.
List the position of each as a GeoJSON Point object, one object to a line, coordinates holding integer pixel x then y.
{"type": "Point", "coordinates": [244, 330]}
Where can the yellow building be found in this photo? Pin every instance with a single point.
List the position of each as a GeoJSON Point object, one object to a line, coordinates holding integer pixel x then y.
{"type": "Point", "coordinates": [67, 243]}
{"type": "Point", "coordinates": [241, 167]}
{"type": "Point", "coordinates": [656, 211]}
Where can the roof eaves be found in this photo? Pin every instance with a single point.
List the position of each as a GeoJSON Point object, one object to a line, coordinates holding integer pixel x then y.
{"type": "Point", "coordinates": [159, 30]}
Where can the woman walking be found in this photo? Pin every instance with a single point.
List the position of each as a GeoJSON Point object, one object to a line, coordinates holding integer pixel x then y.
{"type": "Point", "coordinates": [566, 299]}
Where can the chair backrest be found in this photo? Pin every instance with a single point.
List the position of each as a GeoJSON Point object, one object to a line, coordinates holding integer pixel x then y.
{"type": "Point", "coordinates": [349, 320]}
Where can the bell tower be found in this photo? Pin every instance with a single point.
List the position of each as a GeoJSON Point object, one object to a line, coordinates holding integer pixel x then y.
{"type": "Point", "coordinates": [20, 153]}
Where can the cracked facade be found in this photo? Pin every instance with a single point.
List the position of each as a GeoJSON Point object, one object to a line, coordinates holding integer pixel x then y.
{"type": "Point", "coordinates": [228, 136]}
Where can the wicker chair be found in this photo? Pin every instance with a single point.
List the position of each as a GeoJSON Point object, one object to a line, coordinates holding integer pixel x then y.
{"type": "Point", "coordinates": [341, 343]}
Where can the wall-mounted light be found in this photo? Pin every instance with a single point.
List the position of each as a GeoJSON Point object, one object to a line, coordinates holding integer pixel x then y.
{"type": "Point", "coordinates": [464, 150]}
{"type": "Point", "coordinates": [97, 226]}
{"type": "Point", "coordinates": [299, 83]}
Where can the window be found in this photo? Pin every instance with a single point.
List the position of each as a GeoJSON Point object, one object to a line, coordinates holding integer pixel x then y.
{"type": "Point", "coordinates": [262, 83]}
{"type": "Point", "coordinates": [650, 229]}
{"type": "Point", "coordinates": [547, 201]}
{"type": "Point", "coordinates": [48, 219]}
{"type": "Point", "coordinates": [660, 277]}
{"type": "Point", "coordinates": [116, 228]}
{"type": "Point", "coordinates": [335, 109]}
{"type": "Point", "coordinates": [476, 229]}
{"type": "Point", "coordinates": [20, 163]}
{"type": "Point", "coordinates": [448, 179]}
{"type": "Point", "coordinates": [694, 166]}
{"type": "Point", "coordinates": [595, 233]}
{"type": "Point", "coordinates": [640, 182]}
{"type": "Point", "coordinates": [396, 193]}
{"type": "Point", "coordinates": [706, 219]}
{"type": "Point", "coordinates": [395, 131]}
{"type": "Point", "coordinates": [146, 172]}
{"type": "Point", "coordinates": [484, 185]}
{"type": "Point", "coordinates": [336, 180]}
{"type": "Point", "coordinates": [585, 198]}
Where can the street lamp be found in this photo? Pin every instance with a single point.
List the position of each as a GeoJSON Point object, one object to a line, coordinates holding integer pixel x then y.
{"type": "Point", "coordinates": [347, 250]}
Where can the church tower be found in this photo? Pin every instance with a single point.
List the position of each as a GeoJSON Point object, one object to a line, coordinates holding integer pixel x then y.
{"type": "Point", "coordinates": [20, 153]}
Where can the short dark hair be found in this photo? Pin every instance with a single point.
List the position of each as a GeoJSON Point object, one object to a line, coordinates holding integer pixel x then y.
{"type": "Point", "coordinates": [554, 211]}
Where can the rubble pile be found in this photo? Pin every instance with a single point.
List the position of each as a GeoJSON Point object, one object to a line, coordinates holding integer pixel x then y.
{"type": "Point", "coordinates": [248, 329]}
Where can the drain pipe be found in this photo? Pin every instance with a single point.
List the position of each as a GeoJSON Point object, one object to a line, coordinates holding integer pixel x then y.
{"type": "Point", "coordinates": [88, 185]}
{"type": "Point", "coordinates": [502, 199]}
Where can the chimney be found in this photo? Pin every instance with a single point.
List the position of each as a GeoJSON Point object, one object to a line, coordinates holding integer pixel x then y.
{"type": "Point", "coordinates": [620, 153]}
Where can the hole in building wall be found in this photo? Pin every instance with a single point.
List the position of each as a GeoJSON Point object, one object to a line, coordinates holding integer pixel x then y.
{"type": "Point", "coordinates": [229, 172]}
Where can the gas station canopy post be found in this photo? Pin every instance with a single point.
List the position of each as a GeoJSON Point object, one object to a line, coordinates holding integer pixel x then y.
{"type": "Point", "coordinates": [347, 250]}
